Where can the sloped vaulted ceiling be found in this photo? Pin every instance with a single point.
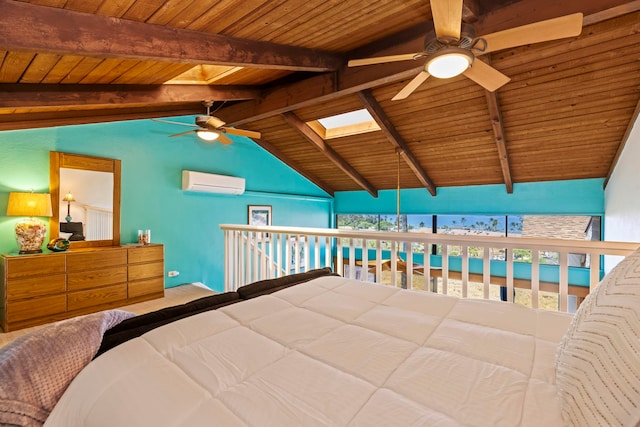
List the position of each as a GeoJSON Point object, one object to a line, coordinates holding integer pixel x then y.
{"type": "Point", "coordinates": [277, 65]}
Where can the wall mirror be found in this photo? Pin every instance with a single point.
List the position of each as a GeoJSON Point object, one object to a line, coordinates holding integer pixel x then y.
{"type": "Point", "coordinates": [85, 197]}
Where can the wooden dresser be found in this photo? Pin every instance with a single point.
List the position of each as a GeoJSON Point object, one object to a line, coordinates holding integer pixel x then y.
{"type": "Point", "coordinates": [46, 287]}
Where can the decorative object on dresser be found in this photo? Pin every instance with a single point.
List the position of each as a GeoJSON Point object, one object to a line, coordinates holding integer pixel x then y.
{"type": "Point", "coordinates": [44, 288]}
{"type": "Point", "coordinates": [68, 198]}
{"type": "Point", "coordinates": [58, 245]}
{"type": "Point", "coordinates": [30, 232]}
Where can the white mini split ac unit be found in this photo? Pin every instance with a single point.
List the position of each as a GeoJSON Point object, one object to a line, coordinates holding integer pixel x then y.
{"type": "Point", "coordinates": [211, 183]}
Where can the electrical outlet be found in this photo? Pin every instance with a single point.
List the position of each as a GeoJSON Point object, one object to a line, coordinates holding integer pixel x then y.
{"type": "Point", "coordinates": [173, 273]}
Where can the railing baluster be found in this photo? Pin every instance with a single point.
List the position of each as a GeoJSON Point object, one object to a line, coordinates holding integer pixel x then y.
{"type": "Point", "coordinates": [445, 268]}
{"type": "Point", "coordinates": [247, 254]}
{"type": "Point", "coordinates": [296, 253]}
{"type": "Point", "coordinates": [339, 257]}
{"type": "Point", "coordinates": [426, 253]}
{"type": "Point", "coordinates": [327, 251]}
{"type": "Point", "coordinates": [535, 278]}
{"type": "Point", "coordinates": [227, 262]}
{"type": "Point", "coordinates": [256, 257]}
{"type": "Point", "coordinates": [564, 281]}
{"type": "Point", "coordinates": [352, 260]}
{"type": "Point", "coordinates": [486, 271]}
{"type": "Point", "coordinates": [307, 252]}
{"type": "Point", "coordinates": [409, 268]}
{"type": "Point", "coordinates": [316, 252]}
{"type": "Point", "coordinates": [508, 257]}
{"type": "Point", "coordinates": [594, 271]}
{"type": "Point", "coordinates": [394, 263]}
{"type": "Point", "coordinates": [378, 262]}
{"type": "Point", "coordinates": [264, 258]}
{"type": "Point", "coordinates": [287, 253]}
{"type": "Point", "coordinates": [465, 271]}
{"type": "Point", "coordinates": [364, 274]}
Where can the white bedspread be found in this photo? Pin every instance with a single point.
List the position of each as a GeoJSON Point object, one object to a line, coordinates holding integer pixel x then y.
{"type": "Point", "coordinates": [330, 352]}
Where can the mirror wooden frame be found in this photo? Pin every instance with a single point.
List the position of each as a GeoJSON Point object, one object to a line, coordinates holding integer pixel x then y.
{"type": "Point", "coordinates": [59, 160]}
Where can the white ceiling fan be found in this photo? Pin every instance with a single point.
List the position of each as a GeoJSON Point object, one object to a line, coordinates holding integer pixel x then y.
{"type": "Point", "coordinates": [454, 48]}
{"type": "Point", "coordinates": [210, 128]}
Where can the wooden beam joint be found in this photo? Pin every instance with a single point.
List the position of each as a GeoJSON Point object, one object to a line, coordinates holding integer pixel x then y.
{"type": "Point", "coordinates": [309, 134]}
{"type": "Point", "coordinates": [401, 147]}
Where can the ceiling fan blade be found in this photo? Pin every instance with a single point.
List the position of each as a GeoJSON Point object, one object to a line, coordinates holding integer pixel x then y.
{"type": "Point", "coordinates": [174, 123]}
{"type": "Point", "coordinates": [542, 31]}
{"type": "Point", "coordinates": [486, 76]}
{"type": "Point", "coordinates": [411, 86]}
{"type": "Point", "coordinates": [215, 122]}
{"type": "Point", "coordinates": [243, 132]}
{"type": "Point", "coordinates": [224, 139]}
{"type": "Point", "coordinates": [183, 133]}
{"type": "Point", "coordinates": [447, 17]}
{"type": "Point", "coordinates": [381, 59]}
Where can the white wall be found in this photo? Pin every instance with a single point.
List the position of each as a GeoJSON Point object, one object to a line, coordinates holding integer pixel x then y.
{"type": "Point", "coordinates": [622, 196]}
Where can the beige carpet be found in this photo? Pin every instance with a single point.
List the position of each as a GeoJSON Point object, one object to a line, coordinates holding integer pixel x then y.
{"type": "Point", "coordinates": [172, 296]}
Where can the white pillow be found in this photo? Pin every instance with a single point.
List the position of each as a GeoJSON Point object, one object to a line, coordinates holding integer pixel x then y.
{"type": "Point", "coordinates": [598, 361]}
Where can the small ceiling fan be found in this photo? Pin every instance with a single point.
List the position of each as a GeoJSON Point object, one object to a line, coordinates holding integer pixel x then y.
{"type": "Point", "coordinates": [453, 47]}
{"type": "Point", "coordinates": [211, 128]}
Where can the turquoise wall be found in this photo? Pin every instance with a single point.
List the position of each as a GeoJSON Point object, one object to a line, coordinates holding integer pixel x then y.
{"type": "Point", "coordinates": [574, 197]}
{"type": "Point", "coordinates": [186, 223]}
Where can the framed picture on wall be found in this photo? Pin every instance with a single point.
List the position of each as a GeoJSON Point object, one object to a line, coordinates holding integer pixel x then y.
{"type": "Point", "coordinates": [260, 216]}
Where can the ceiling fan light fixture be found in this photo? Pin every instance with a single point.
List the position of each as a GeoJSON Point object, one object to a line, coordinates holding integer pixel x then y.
{"type": "Point", "coordinates": [207, 135]}
{"type": "Point", "coordinates": [449, 62]}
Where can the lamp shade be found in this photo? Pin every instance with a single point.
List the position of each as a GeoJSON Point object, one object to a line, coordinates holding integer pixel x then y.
{"type": "Point", "coordinates": [69, 197]}
{"type": "Point", "coordinates": [29, 204]}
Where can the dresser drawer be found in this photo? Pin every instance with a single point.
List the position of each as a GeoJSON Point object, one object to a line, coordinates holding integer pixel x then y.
{"type": "Point", "coordinates": [37, 307]}
{"type": "Point", "coordinates": [146, 253]}
{"type": "Point", "coordinates": [36, 286]}
{"type": "Point", "coordinates": [97, 296]}
{"type": "Point", "coordinates": [96, 278]}
{"type": "Point", "coordinates": [145, 271]}
{"type": "Point", "coordinates": [146, 287]}
{"type": "Point", "coordinates": [83, 261]}
{"type": "Point", "coordinates": [41, 265]}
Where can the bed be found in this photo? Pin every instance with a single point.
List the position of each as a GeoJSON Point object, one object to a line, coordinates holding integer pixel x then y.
{"type": "Point", "coordinates": [336, 352]}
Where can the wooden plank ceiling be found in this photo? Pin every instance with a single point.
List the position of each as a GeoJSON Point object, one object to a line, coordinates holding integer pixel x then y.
{"type": "Point", "coordinates": [273, 66]}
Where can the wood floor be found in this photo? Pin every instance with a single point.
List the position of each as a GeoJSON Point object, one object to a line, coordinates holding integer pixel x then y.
{"type": "Point", "coordinates": [172, 296]}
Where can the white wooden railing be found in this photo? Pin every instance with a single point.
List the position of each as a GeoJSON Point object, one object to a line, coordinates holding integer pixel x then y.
{"type": "Point", "coordinates": [257, 253]}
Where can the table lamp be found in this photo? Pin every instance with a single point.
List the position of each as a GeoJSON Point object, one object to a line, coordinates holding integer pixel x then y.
{"type": "Point", "coordinates": [68, 198]}
{"type": "Point", "coordinates": [30, 232]}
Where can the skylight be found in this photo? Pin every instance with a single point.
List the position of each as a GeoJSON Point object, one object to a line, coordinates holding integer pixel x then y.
{"type": "Point", "coordinates": [351, 123]}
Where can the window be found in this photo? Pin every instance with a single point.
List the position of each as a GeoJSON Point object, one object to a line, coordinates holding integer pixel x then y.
{"type": "Point", "coordinates": [351, 123]}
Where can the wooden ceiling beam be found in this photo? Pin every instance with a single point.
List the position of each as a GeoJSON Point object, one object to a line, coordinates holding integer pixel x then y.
{"type": "Point", "coordinates": [529, 11]}
{"type": "Point", "coordinates": [495, 113]}
{"type": "Point", "coordinates": [293, 165]}
{"type": "Point", "coordinates": [27, 95]}
{"type": "Point", "coordinates": [346, 81]}
{"type": "Point", "coordinates": [623, 142]}
{"type": "Point", "coordinates": [42, 29]}
{"type": "Point", "coordinates": [470, 11]}
{"type": "Point", "coordinates": [378, 114]}
{"type": "Point", "coordinates": [497, 124]}
{"type": "Point", "coordinates": [45, 119]}
{"type": "Point", "coordinates": [303, 129]}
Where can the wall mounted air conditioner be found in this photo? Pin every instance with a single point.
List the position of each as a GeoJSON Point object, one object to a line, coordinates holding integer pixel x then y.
{"type": "Point", "coordinates": [211, 183]}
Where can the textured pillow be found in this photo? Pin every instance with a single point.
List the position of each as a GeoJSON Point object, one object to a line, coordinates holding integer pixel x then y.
{"type": "Point", "coordinates": [598, 361]}
{"type": "Point", "coordinates": [37, 368]}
